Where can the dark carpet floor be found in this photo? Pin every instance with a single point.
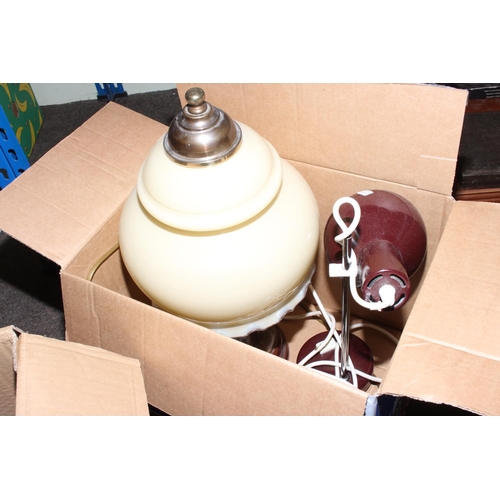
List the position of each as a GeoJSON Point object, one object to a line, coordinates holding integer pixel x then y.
{"type": "Point", "coordinates": [30, 291]}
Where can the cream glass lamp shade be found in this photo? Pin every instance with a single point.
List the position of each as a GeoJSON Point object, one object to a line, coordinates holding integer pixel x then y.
{"type": "Point", "coordinates": [219, 229]}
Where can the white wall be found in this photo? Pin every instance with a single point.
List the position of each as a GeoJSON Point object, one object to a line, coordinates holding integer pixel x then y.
{"type": "Point", "coordinates": [60, 93]}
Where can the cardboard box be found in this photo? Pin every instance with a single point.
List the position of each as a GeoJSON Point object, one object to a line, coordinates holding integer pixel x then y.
{"type": "Point", "coordinates": [342, 138]}
{"type": "Point", "coordinates": [43, 376]}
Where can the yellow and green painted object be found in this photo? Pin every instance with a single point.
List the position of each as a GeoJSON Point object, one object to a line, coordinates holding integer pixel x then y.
{"type": "Point", "coordinates": [22, 111]}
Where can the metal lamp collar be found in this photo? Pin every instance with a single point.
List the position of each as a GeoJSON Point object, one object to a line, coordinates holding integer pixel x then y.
{"type": "Point", "coordinates": [201, 135]}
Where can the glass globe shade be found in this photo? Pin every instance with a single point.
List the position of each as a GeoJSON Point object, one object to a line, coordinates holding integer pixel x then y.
{"type": "Point", "coordinates": [230, 245]}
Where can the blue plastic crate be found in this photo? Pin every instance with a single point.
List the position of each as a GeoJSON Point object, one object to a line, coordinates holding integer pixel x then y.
{"type": "Point", "coordinates": [110, 91]}
{"type": "Point", "coordinates": [13, 160]}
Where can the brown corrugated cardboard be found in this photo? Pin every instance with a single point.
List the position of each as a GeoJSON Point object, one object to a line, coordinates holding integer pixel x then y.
{"type": "Point", "coordinates": [342, 138]}
{"type": "Point", "coordinates": [77, 187]}
{"type": "Point", "coordinates": [405, 134]}
{"type": "Point", "coordinates": [53, 377]}
{"type": "Point", "coordinates": [450, 336]}
{"type": "Point", "coordinates": [7, 372]}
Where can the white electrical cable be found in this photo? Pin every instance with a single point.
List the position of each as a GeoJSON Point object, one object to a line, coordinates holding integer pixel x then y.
{"type": "Point", "coordinates": [346, 231]}
{"type": "Point", "coordinates": [333, 337]}
{"type": "Point", "coordinates": [323, 346]}
{"type": "Point", "coordinates": [387, 292]}
{"type": "Point", "coordinates": [311, 314]}
{"type": "Point", "coordinates": [371, 378]}
{"type": "Point", "coordinates": [332, 333]}
{"type": "Point", "coordinates": [365, 324]}
{"type": "Point", "coordinates": [333, 340]}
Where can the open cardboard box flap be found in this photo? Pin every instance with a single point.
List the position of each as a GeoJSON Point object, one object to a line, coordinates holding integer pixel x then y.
{"type": "Point", "coordinates": [43, 376]}
{"type": "Point", "coordinates": [405, 134]}
{"type": "Point", "coordinates": [342, 138]}
{"type": "Point", "coordinates": [76, 188]}
{"type": "Point", "coordinates": [450, 349]}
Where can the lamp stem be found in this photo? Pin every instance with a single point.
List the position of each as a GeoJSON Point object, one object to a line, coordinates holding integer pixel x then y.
{"type": "Point", "coordinates": [346, 316]}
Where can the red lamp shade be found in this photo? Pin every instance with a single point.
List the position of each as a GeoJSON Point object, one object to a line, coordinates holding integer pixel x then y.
{"type": "Point", "coordinates": [390, 243]}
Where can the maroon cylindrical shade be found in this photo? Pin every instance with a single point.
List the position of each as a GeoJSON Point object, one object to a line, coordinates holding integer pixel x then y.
{"type": "Point", "coordinates": [390, 243]}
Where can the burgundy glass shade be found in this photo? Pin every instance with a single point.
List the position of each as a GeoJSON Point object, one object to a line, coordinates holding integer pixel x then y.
{"type": "Point", "coordinates": [390, 243]}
